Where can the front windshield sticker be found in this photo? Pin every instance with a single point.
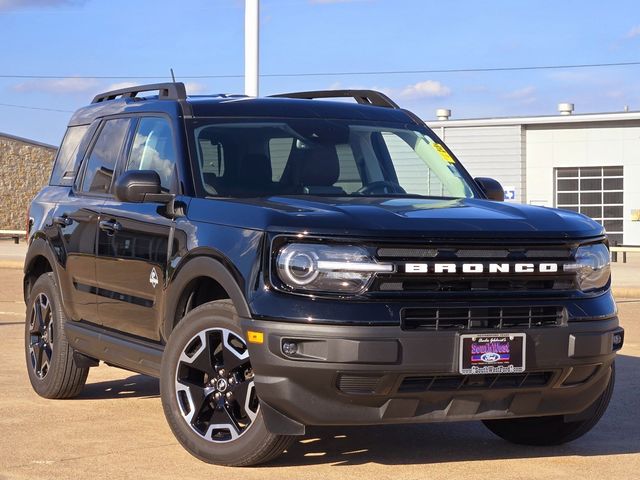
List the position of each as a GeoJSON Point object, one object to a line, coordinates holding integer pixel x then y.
{"type": "Point", "coordinates": [443, 153]}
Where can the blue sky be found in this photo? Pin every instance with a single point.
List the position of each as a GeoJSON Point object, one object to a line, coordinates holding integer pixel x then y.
{"type": "Point", "coordinates": [119, 38]}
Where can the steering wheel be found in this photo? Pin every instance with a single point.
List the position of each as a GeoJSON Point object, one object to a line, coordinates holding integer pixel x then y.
{"type": "Point", "coordinates": [382, 186]}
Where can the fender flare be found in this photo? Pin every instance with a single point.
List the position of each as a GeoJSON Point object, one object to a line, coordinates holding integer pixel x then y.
{"type": "Point", "coordinates": [201, 266]}
{"type": "Point", "coordinates": [39, 248]}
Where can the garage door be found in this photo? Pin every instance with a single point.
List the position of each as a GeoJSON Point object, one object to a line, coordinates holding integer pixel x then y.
{"type": "Point", "coordinates": [593, 191]}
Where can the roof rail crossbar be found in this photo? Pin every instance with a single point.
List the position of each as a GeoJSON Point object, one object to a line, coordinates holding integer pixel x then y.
{"type": "Point", "coordinates": [169, 91]}
{"type": "Point", "coordinates": [365, 97]}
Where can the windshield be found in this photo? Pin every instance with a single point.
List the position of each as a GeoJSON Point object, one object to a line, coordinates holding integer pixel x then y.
{"type": "Point", "coordinates": [324, 157]}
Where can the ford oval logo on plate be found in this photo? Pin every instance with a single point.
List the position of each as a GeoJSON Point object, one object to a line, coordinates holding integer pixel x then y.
{"type": "Point", "coordinates": [490, 357]}
{"type": "Point", "coordinates": [491, 353]}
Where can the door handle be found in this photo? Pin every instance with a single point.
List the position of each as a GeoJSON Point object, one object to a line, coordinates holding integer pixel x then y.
{"type": "Point", "coordinates": [63, 221]}
{"type": "Point", "coordinates": [110, 226]}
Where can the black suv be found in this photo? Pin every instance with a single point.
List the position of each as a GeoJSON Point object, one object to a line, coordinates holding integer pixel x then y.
{"type": "Point", "coordinates": [289, 261]}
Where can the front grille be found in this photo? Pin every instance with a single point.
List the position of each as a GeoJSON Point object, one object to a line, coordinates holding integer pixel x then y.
{"type": "Point", "coordinates": [479, 252]}
{"type": "Point", "coordinates": [473, 382]}
{"type": "Point", "coordinates": [358, 384]}
{"type": "Point", "coordinates": [480, 317]}
{"type": "Point", "coordinates": [453, 284]}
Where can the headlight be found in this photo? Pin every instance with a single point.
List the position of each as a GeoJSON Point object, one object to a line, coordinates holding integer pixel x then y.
{"type": "Point", "coordinates": [327, 268]}
{"type": "Point", "coordinates": [592, 267]}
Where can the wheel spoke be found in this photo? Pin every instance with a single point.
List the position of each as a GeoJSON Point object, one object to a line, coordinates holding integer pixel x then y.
{"type": "Point", "coordinates": [38, 320]}
{"type": "Point", "coordinates": [240, 393]}
{"type": "Point", "coordinates": [46, 355]}
{"type": "Point", "coordinates": [44, 310]}
{"type": "Point", "coordinates": [203, 359]}
{"type": "Point", "coordinates": [231, 358]}
{"type": "Point", "coordinates": [233, 421]}
{"type": "Point", "coordinates": [223, 418]}
{"type": "Point", "coordinates": [38, 354]}
{"type": "Point", "coordinates": [198, 399]}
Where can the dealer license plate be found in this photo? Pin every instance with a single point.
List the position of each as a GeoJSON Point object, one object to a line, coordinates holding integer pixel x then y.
{"type": "Point", "coordinates": [492, 353]}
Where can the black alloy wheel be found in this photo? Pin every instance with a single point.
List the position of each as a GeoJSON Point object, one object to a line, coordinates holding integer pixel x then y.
{"type": "Point", "coordinates": [41, 335]}
{"type": "Point", "coordinates": [209, 391]}
{"type": "Point", "coordinates": [51, 363]}
{"type": "Point", "coordinates": [214, 385]}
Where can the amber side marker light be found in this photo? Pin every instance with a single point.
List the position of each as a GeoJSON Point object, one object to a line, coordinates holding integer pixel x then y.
{"type": "Point", "coordinates": [255, 337]}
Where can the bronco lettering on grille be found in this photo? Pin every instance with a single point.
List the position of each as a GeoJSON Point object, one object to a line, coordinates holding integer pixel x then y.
{"type": "Point", "coordinates": [480, 268]}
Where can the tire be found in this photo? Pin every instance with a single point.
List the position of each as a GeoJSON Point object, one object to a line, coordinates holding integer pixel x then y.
{"type": "Point", "coordinates": [553, 430]}
{"type": "Point", "coordinates": [52, 369]}
{"type": "Point", "coordinates": [206, 360]}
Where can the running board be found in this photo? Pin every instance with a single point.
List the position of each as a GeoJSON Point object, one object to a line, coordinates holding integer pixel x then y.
{"type": "Point", "coordinates": [115, 349]}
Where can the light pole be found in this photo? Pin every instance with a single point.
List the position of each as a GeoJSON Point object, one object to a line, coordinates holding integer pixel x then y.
{"type": "Point", "coordinates": [251, 46]}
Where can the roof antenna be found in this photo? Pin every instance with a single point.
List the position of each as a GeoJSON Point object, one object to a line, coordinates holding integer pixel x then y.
{"type": "Point", "coordinates": [173, 77]}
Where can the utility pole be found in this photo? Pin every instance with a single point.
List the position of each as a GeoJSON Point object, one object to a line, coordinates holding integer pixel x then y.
{"type": "Point", "coordinates": [251, 46]}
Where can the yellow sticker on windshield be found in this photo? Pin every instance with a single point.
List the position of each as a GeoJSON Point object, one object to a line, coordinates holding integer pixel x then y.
{"type": "Point", "coordinates": [443, 153]}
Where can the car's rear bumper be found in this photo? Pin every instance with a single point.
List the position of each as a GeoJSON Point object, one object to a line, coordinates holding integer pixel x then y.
{"type": "Point", "coordinates": [347, 375]}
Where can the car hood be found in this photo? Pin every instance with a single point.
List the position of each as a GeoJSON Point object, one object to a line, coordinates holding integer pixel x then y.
{"type": "Point", "coordinates": [395, 217]}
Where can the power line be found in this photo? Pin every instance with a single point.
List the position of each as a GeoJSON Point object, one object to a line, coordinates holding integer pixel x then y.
{"type": "Point", "coordinates": [334, 74]}
{"type": "Point", "coordinates": [35, 108]}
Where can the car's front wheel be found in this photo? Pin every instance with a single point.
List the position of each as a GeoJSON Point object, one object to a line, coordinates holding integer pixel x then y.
{"type": "Point", "coordinates": [553, 430]}
{"type": "Point", "coordinates": [208, 394]}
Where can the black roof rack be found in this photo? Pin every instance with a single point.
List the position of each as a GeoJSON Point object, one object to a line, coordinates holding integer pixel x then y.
{"type": "Point", "coordinates": [365, 97]}
{"type": "Point", "coordinates": [169, 91]}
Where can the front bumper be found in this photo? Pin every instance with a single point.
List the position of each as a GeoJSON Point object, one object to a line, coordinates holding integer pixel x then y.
{"type": "Point", "coordinates": [351, 375]}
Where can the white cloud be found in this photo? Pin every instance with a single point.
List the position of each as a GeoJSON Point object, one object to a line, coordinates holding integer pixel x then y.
{"type": "Point", "coordinates": [523, 96]}
{"type": "Point", "coordinates": [194, 88]}
{"type": "Point", "coordinates": [521, 93]}
{"type": "Point", "coordinates": [120, 85]}
{"type": "Point", "coordinates": [634, 32]}
{"type": "Point", "coordinates": [8, 5]}
{"type": "Point", "coordinates": [57, 85]}
{"type": "Point", "coordinates": [427, 88]}
{"type": "Point", "coordinates": [615, 93]}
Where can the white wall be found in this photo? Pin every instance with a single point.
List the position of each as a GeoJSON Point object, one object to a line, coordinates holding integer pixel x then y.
{"type": "Point", "coordinates": [590, 145]}
{"type": "Point", "coordinates": [490, 151]}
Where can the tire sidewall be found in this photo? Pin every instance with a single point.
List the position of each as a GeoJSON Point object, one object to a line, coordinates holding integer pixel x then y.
{"type": "Point", "coordinates": [45, 386]}
{"type": "Point", "coordinates": [208, 316]}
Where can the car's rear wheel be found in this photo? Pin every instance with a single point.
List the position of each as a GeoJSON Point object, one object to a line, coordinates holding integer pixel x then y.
{"type": "Point", "coordinates": [53, 371]}
{"type": "Point", "coordinates": [553, 430]}
{"type": "Point", "coordinates": [208, 393]}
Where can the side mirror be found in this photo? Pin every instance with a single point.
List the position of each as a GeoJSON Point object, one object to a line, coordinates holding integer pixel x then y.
{"type": "Point", "coordinates": [134, 186]}
{"type": "Point", "coordinates": [491, 188]}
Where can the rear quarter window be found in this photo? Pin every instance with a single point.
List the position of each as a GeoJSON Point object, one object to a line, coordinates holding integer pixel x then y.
{"type": "Point", "coordinates": [68, 156]}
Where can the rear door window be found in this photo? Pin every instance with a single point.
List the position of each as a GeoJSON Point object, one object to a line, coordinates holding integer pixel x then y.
{"type": "Point", "coordinates": [68, 157]}
{"type": "Point", "coordinates": [104, 155]}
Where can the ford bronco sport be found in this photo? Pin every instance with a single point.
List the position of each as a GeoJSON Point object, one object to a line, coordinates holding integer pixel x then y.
{"type": "Point", "coordinates": [289, 261]}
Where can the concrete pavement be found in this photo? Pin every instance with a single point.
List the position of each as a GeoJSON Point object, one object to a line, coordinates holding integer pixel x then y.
{"type": "Point", "coordinates": [116, 429]}
{"type": "Point", "coordinates": [12, 254]}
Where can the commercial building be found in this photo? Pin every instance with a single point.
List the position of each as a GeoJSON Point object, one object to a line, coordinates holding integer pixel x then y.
{"type": "Point", "coordinates": [588, 163]}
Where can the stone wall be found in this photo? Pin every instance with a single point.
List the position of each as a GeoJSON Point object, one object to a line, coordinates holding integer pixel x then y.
{"type": "Point", "coordinates": [24, 170]}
